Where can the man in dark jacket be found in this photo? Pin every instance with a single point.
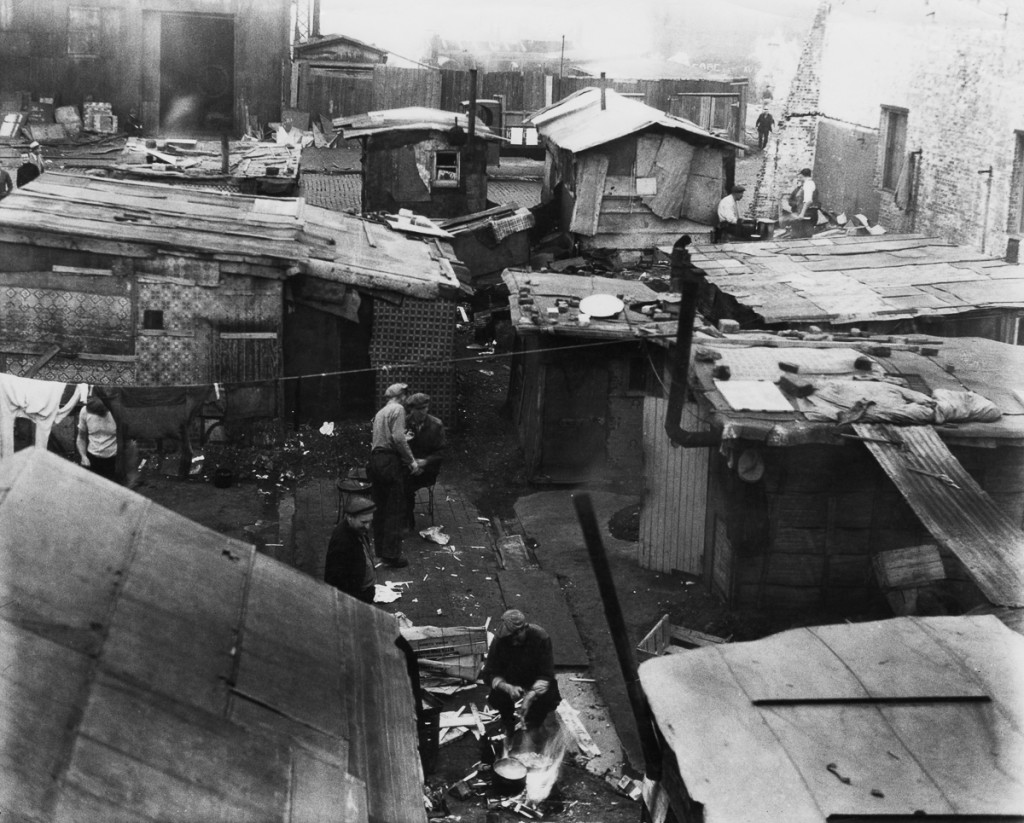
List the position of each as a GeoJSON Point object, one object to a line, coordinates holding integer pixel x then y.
{"type": "Point", "coordinates": [521, 666]}
{"type": "Point", "coordinates": [765, 123]}
{"type": "Point", "coordinates": [349, 565]}
{"type": "Point", "coordinates": [427, 442]}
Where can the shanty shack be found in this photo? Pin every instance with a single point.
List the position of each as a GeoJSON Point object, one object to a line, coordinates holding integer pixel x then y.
{"type": "Point", "coordinates": [124, 283]}
{"type": "Point", "coordinates": [169, 672]}
{"type": "Point", "coordinates": [183, 66]}
{"type": "Point", "coordinates": [804, 461]}
{"type": "Point", "coordinates": [902, 719]}
{"type": "Point", "coordinates": [624, 175]}
{"type": "Point", "coordinates": [429, 161]}
{"type": "Point", "coordinates": [334, 76]}
{"type": "Point", "coordinates": [887, 284]}
{"type": "Point", "coordinates": [578, 380]}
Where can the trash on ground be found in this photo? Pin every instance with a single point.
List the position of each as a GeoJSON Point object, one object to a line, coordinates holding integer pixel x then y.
{"type": "Point", "coordinates": [436, 535]}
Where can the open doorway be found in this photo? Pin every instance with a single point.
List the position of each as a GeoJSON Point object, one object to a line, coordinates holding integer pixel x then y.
{"type": "Point", "coordinates": [197, 70]}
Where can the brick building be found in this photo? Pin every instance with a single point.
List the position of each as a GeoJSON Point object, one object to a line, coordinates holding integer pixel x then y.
{"type": "Point", "coordinates": [922, 130]}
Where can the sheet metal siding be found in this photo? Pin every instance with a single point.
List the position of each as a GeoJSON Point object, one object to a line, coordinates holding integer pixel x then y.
{"type": "Point", "coordinates": [965, 520]}
{"type": "Point", "coordinates": [672, 519]}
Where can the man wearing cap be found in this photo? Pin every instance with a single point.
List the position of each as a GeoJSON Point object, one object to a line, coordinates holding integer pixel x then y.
{"type": "Point", "coordinates": [349, 565]}
{"type": "Point", "coordinates": [764, 125]}
{"type": "Point", "coordinates": [729, 221]}
{"type": "Point", "coordinates": [427, 442]}
{"type": "Point", "coordinates": [390, 459]}
{"type": "Point", "coordinates": [521, 666]}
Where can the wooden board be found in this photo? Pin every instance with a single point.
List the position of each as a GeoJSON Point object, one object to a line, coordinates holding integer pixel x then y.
{"type": "Point", "coordinates": [323, 793]}
{"type": "Point", "coordinates": [540, 598]}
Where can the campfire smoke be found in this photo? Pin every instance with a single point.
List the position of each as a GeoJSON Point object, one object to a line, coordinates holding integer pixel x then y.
{"type": "Point", "coordinates": [543, 761]}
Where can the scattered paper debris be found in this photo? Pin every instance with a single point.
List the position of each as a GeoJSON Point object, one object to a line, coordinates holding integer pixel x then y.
{"type": "Point", "coordinates": [327, 428]}
{"type": "Point", "coordinates": [436, 535]}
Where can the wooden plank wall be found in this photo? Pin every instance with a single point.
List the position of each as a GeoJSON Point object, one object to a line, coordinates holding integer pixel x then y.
{"type": "Point", "coordinates": [672, 519]}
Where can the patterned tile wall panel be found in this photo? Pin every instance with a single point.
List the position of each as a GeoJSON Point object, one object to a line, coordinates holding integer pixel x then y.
{"type": "Point", "coordinates": [96, 322]}
{"type": "Point", "coordinates": [418, 331]}
{"type": "Point", "coordinates": [76, 370]}
{"type": "Point", "coordinates": [166, 361]}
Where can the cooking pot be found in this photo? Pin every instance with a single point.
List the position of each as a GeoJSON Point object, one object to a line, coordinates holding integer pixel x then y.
{"type": "Point", "coordinates": [509, 775]}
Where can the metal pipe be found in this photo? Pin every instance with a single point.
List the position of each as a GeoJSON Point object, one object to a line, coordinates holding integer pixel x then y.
{"type": "Point", "coordinates": [602, 92]}
{"type": "Point", "coordinates": [988, 198]}
{"type": "Point", "coordinates": [620, 637]}
{"type": "Point", "coordinates": [472, 104]}
{"type": "Point", "coordinates": [688, 277]}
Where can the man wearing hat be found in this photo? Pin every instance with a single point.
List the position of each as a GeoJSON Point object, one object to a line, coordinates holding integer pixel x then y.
{"type": "Point", "coordinates": [33, 165]}
{"type": "Point", "coordinates": [427, 442]}
{"type": "Point", "coordinates": [349, 557]}
{"type": "Point", "coordinates": [521, 666]}
{"type": "Point", "coordinates": [730, 223]}
{"type": "Point", "coordinates": [390, 459]}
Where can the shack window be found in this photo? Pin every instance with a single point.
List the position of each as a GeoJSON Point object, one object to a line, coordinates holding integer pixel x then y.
{"type": "Point", "coordinates": [446, 169]}
{"type": "Point", "coordinates": [152, 319]}
{"type": "Point", "coordinates": [83, 31]}
{"type": "Point", "coordinates": [894, 137]}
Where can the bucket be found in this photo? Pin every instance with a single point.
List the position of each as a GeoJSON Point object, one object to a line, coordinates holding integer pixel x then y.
{"type": "Point", "coordinates": [509, 775]}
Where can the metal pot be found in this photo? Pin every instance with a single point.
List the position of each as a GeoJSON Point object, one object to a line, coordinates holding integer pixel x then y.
{"type": "Point", "coordinates": [509, 775]}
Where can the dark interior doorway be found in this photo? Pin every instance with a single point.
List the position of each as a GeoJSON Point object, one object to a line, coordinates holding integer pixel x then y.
{"type": "Point", "coordinates": [197, 70]}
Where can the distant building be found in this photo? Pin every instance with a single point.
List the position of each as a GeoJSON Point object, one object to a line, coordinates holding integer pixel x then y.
{"type": "Point", "coordinates": [200, 67]}
{"type": "Point", "coordinates": [921, 131]}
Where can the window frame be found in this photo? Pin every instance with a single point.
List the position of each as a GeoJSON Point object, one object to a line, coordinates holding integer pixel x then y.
{"type": "Point", "coordinates": [895, 120]}
{"type": "Point", "coordinates": [82, 34]}
{"type": "Point", "coordinates": [438, 182]}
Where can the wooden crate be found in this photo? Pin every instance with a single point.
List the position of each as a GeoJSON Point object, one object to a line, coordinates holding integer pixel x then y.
{"type": "Point", "coordinates": [665, 638]}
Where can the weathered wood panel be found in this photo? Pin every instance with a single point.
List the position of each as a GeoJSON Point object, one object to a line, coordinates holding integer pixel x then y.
{"type": "Point", "coordinates": [395, 87]}
{"type": "Point", "coordinates": [672, 519]}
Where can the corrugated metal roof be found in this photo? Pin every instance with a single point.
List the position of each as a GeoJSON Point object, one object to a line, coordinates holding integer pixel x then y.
{"type": "Point", "coordinates": [918, 715]}
{"type": "Point", "coordinates": [845, 280]}
{"type": "Point", "coordinates": [954, 508]}
{"type": "Point", "coordinates": [578, 122]}
{"type": "Point", "coordinates": [156, 670]}
{"type": "Point", "coordinates": [545, 289]}
{"type": "Point", "coordinates": [136, 219]}
{"type": "Point", "coordinates": [413, 118]}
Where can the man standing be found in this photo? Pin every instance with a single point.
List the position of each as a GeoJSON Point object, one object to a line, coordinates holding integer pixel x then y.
{"type": "Point", "coordinates": [729, 221]}
{"type": "Point", "coordinates": [427, 442]}
{"type": "Point", "coordinates": [349, 565]}
{"type": "Point", "coordinates": [765, 123]}
{"type": "Point", "coordinates": [521, 666]}
{"type": "Point", "coordinates": [804, 201]}
{"type": "Point", "coordinates": [390, 458]}
{"type": "Point", "coordinates": [33, 166]}
{"type": "Point", "coordinates": [97, 439]}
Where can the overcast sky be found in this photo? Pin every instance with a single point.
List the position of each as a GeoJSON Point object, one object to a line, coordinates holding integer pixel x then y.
{"type": "Point", "coordinates": [615, 27]}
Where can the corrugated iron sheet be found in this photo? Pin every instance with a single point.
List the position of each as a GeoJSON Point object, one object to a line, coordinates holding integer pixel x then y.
{"type": "Point", "coordinates": [955, 509]}
{"type": "Point", "coordinates": [154, 669]}
{"type": "Point", "coordinates": [578, 122]}
{"type": "Point", "coordinates": [412, 118]}
{"type": "Point", "coordinates": [890, 718]}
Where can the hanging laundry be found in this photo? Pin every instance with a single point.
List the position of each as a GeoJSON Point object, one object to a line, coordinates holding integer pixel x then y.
{"type": "Point", "coordinates": [156, 413]}
{"type": "Point", "coordinates": [44, 402]}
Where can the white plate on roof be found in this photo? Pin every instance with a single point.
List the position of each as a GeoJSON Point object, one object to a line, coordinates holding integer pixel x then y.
{"type": "Point", "coordinates": [601, 305]}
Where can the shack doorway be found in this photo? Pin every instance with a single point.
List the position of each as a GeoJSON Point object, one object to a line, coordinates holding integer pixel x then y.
{"type": "Point", "coordinates": [197, 71]}
{"type": "Point", "coordinates": [574, 433]}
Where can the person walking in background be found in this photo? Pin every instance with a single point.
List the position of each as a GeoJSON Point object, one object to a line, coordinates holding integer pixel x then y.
{"type": "Point", "coordinates": [349, 566]}
{"type": "Point", "coordinates": [427, 442]}
{"type": "Point", "coordinates": [521, 666]}
{"type": "Point", "coordinates": [97, 439]}
{"type": "Point", "coordinates": [764, 125]}
{"type": "Point", "coordinates": [390, 458]}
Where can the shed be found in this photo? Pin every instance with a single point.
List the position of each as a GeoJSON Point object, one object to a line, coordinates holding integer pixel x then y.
{"type": "Point", "coordinates": [155, 669]}
{"type": "Point", "coordinates": [429, 161]}
{"type": "Point", "coordinates": [335, 70]}
{"type": "Point", "coordinates": [491, 241]}
{"type": "Point", "coordinates": [628, 176]}
{"type": "Point", "coordinates": [152, 284]}
{"type": "Point", "coordinates": [883, 284]}
{"type": "Point", "coordinates": [892, 720]}
{"type": "Point", "coordinates": [830, 452]}
{"type": "Point", "coordinates": [577, 387]}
